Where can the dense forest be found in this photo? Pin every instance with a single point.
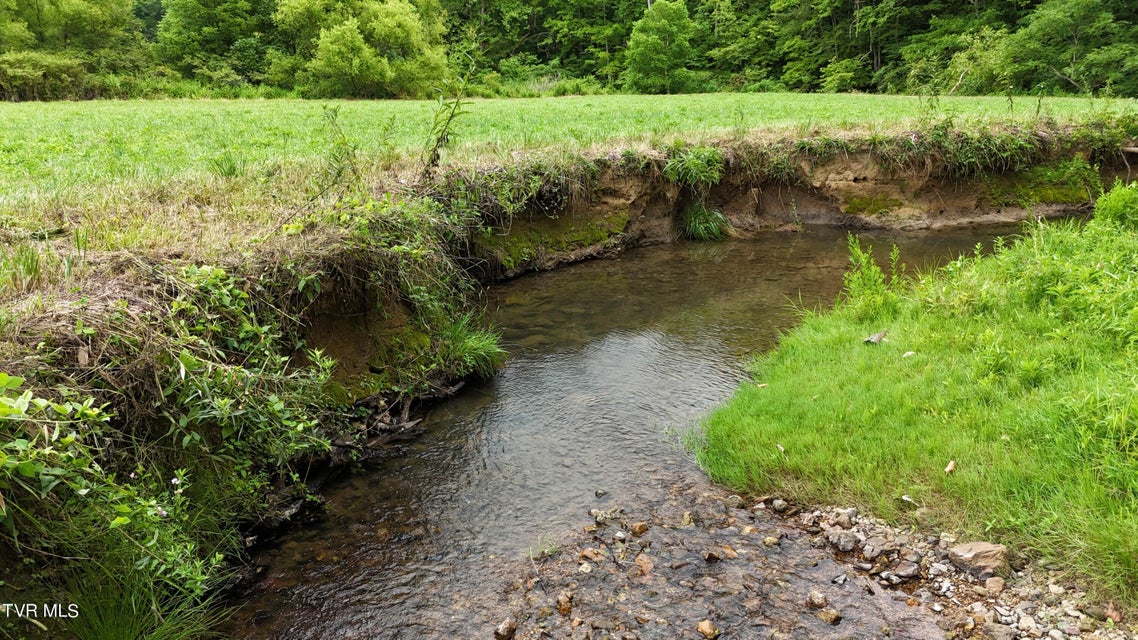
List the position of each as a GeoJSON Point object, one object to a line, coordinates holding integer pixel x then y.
{"type": "Point", "coordinates": [53, 49]}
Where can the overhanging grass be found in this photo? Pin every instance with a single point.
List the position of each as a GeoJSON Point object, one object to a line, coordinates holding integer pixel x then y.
{"type": "Point", "coordinates": [1021, 371]}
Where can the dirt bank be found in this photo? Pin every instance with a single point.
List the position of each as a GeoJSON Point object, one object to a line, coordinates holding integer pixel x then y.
{"type": "Point", "coordinates": [619, 206]}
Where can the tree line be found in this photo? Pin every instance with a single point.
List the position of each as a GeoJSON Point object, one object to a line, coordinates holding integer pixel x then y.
{"type": "Point", "coordinates": [53, 49]}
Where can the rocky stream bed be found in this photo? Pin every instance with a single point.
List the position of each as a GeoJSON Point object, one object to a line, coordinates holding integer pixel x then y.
{"type": "Point", "coordinates": [698, 562]}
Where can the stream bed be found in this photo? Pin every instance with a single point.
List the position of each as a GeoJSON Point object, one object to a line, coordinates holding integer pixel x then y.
{"type": "Point", "coordinates": [611, 363]}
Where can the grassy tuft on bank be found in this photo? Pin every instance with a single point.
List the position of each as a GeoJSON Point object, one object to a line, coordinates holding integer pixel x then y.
{"type": "Point", "coordinates": [1018, 366]}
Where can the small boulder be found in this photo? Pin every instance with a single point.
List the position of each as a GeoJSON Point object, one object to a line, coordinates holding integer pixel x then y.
{"type": "Point", "coordinates": [981, 559]}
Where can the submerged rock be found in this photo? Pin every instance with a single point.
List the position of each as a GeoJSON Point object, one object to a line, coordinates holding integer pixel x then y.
{"type": "Point", "coordinates": [708, 629]}
{"type": "Point", "coordinates": [505, 630]}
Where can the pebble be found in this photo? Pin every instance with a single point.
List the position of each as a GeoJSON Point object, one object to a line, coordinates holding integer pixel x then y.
{"type": "Point", "coordinates": [505, 630]}
{"type": "Point", "coordinates": [830, 616]}
{"type": "Point", "coordinates": [779, 505]}
{"type": "Point", "coordinates": [995, 585]}
{"type": "Point", "coordinates": [708, 629]}
{"type": "Point", "coordinates": [816, 600]}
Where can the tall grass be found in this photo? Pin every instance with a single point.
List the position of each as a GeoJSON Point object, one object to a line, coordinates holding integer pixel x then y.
{"type": "Point", "coordinates": [1018, 366]}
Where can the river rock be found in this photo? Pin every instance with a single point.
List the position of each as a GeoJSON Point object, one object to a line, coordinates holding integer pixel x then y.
{"type": "Point", "coordinates": [842, 539]}
{"type": "Point", "coordinates": [644, 562]}
{"type": "Point", "coordinates": [639, 528]}
{"type": "Point", "coordinates": [981, 559]}
{"type": "Point", "coordinates": [830, 616]}
{"type": "Point", "coordinates": [816, 599]}
{"type": "Point", "coordinates": [564, 603]}
{"type": "Point", "coordinates": [505, 630]}
{"type": "Point", "coordinates": [708, 629]}
{"type": "Point", "coordinates": [907, 570]}
{"type": "Point", "coordinates": [874, 547]}
{"type": "Point", "coordinates": [779, 505]}
{"type": "Point", "coordinates": [733, 502]}
{"type": "Point", "coordinates": [995, 585]}
{"type": "Point", "coordinates": [999, 631]}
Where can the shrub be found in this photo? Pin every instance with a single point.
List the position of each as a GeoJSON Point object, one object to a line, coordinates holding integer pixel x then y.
{"type": "Point", "coordinates": [31, 75]}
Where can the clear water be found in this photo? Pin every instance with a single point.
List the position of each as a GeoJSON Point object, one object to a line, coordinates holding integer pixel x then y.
{"type": "Point", "coordinates": [610, 362]}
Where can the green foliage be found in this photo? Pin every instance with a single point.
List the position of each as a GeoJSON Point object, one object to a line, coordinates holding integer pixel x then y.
{"type": "Point", "coordinates": [216, 41]}
{"type": "Point", "coordinates": [468, 349]}
{"type": "Point", "coordinates": [368, 49]}
{"type": "Point", "coordinates": [230, 394]}
{"type": "Point", "coordinates": [1119, 206]}
{"type": "Point", "coordinates": [32, 75]}
{"type": "Point", "coordinates": [659, 49]}
{"type": "Point", "coordinates": [698, 168]}
{"type": "Point", "coordinates": [865, 290]}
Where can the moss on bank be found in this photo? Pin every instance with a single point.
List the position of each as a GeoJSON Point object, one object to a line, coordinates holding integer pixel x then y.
{"type": "Point", "coordinates": [1017, 368]}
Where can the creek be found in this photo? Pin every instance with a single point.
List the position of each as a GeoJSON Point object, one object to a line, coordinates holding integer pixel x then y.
{"type": "Point", "coordinates": [611, 362]}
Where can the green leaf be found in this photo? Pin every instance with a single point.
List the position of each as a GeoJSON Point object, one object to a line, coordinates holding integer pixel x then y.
{"type": "Point", "coordinates": [119, 521]}
{"type": "Point", "coordinates": [28, 469]}
{"type": "Point", "coordinates": [10, 382]}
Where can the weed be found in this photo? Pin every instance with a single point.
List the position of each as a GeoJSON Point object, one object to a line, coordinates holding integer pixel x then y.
{"type": "Point", "coordinates": [228, 164]}
{"type": "Point", "coordinates": [442, 128]}
{"type": "Point", "coordinates": [700, 222]}
{"type": "Point", "coordinates": [1119, 206]}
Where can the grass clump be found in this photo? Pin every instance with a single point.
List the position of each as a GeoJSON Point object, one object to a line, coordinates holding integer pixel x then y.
{"type": "Point", "coordinates": [697, 170]}
{"type": "Point", "coordinates": [701, 222]}
{"type": "Point", "coordinates": [1018, 366]}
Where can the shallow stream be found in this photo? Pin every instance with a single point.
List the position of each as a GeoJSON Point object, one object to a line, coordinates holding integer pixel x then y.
{"type": "Point", "coordinates": [611, 361]}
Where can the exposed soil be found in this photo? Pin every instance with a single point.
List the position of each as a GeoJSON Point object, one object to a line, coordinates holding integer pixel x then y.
{"type": "Point", "coordinates": [852, 190]}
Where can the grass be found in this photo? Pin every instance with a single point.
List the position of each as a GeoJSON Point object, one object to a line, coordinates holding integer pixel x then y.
{"type": "Point", "coordinates": [48, 149]}
{"type": "Point", "coordinates": [1017, 366]}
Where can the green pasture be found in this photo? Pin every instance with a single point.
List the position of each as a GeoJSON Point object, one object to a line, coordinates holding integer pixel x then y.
{"type": "Point", "coordinates": [48, 148]}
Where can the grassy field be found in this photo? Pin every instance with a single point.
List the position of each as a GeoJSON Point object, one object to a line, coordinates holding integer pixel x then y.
{"type": "Point", "coordinates": [1019, 367]}
{"type": "Point", "coordinates": [50, 150]}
